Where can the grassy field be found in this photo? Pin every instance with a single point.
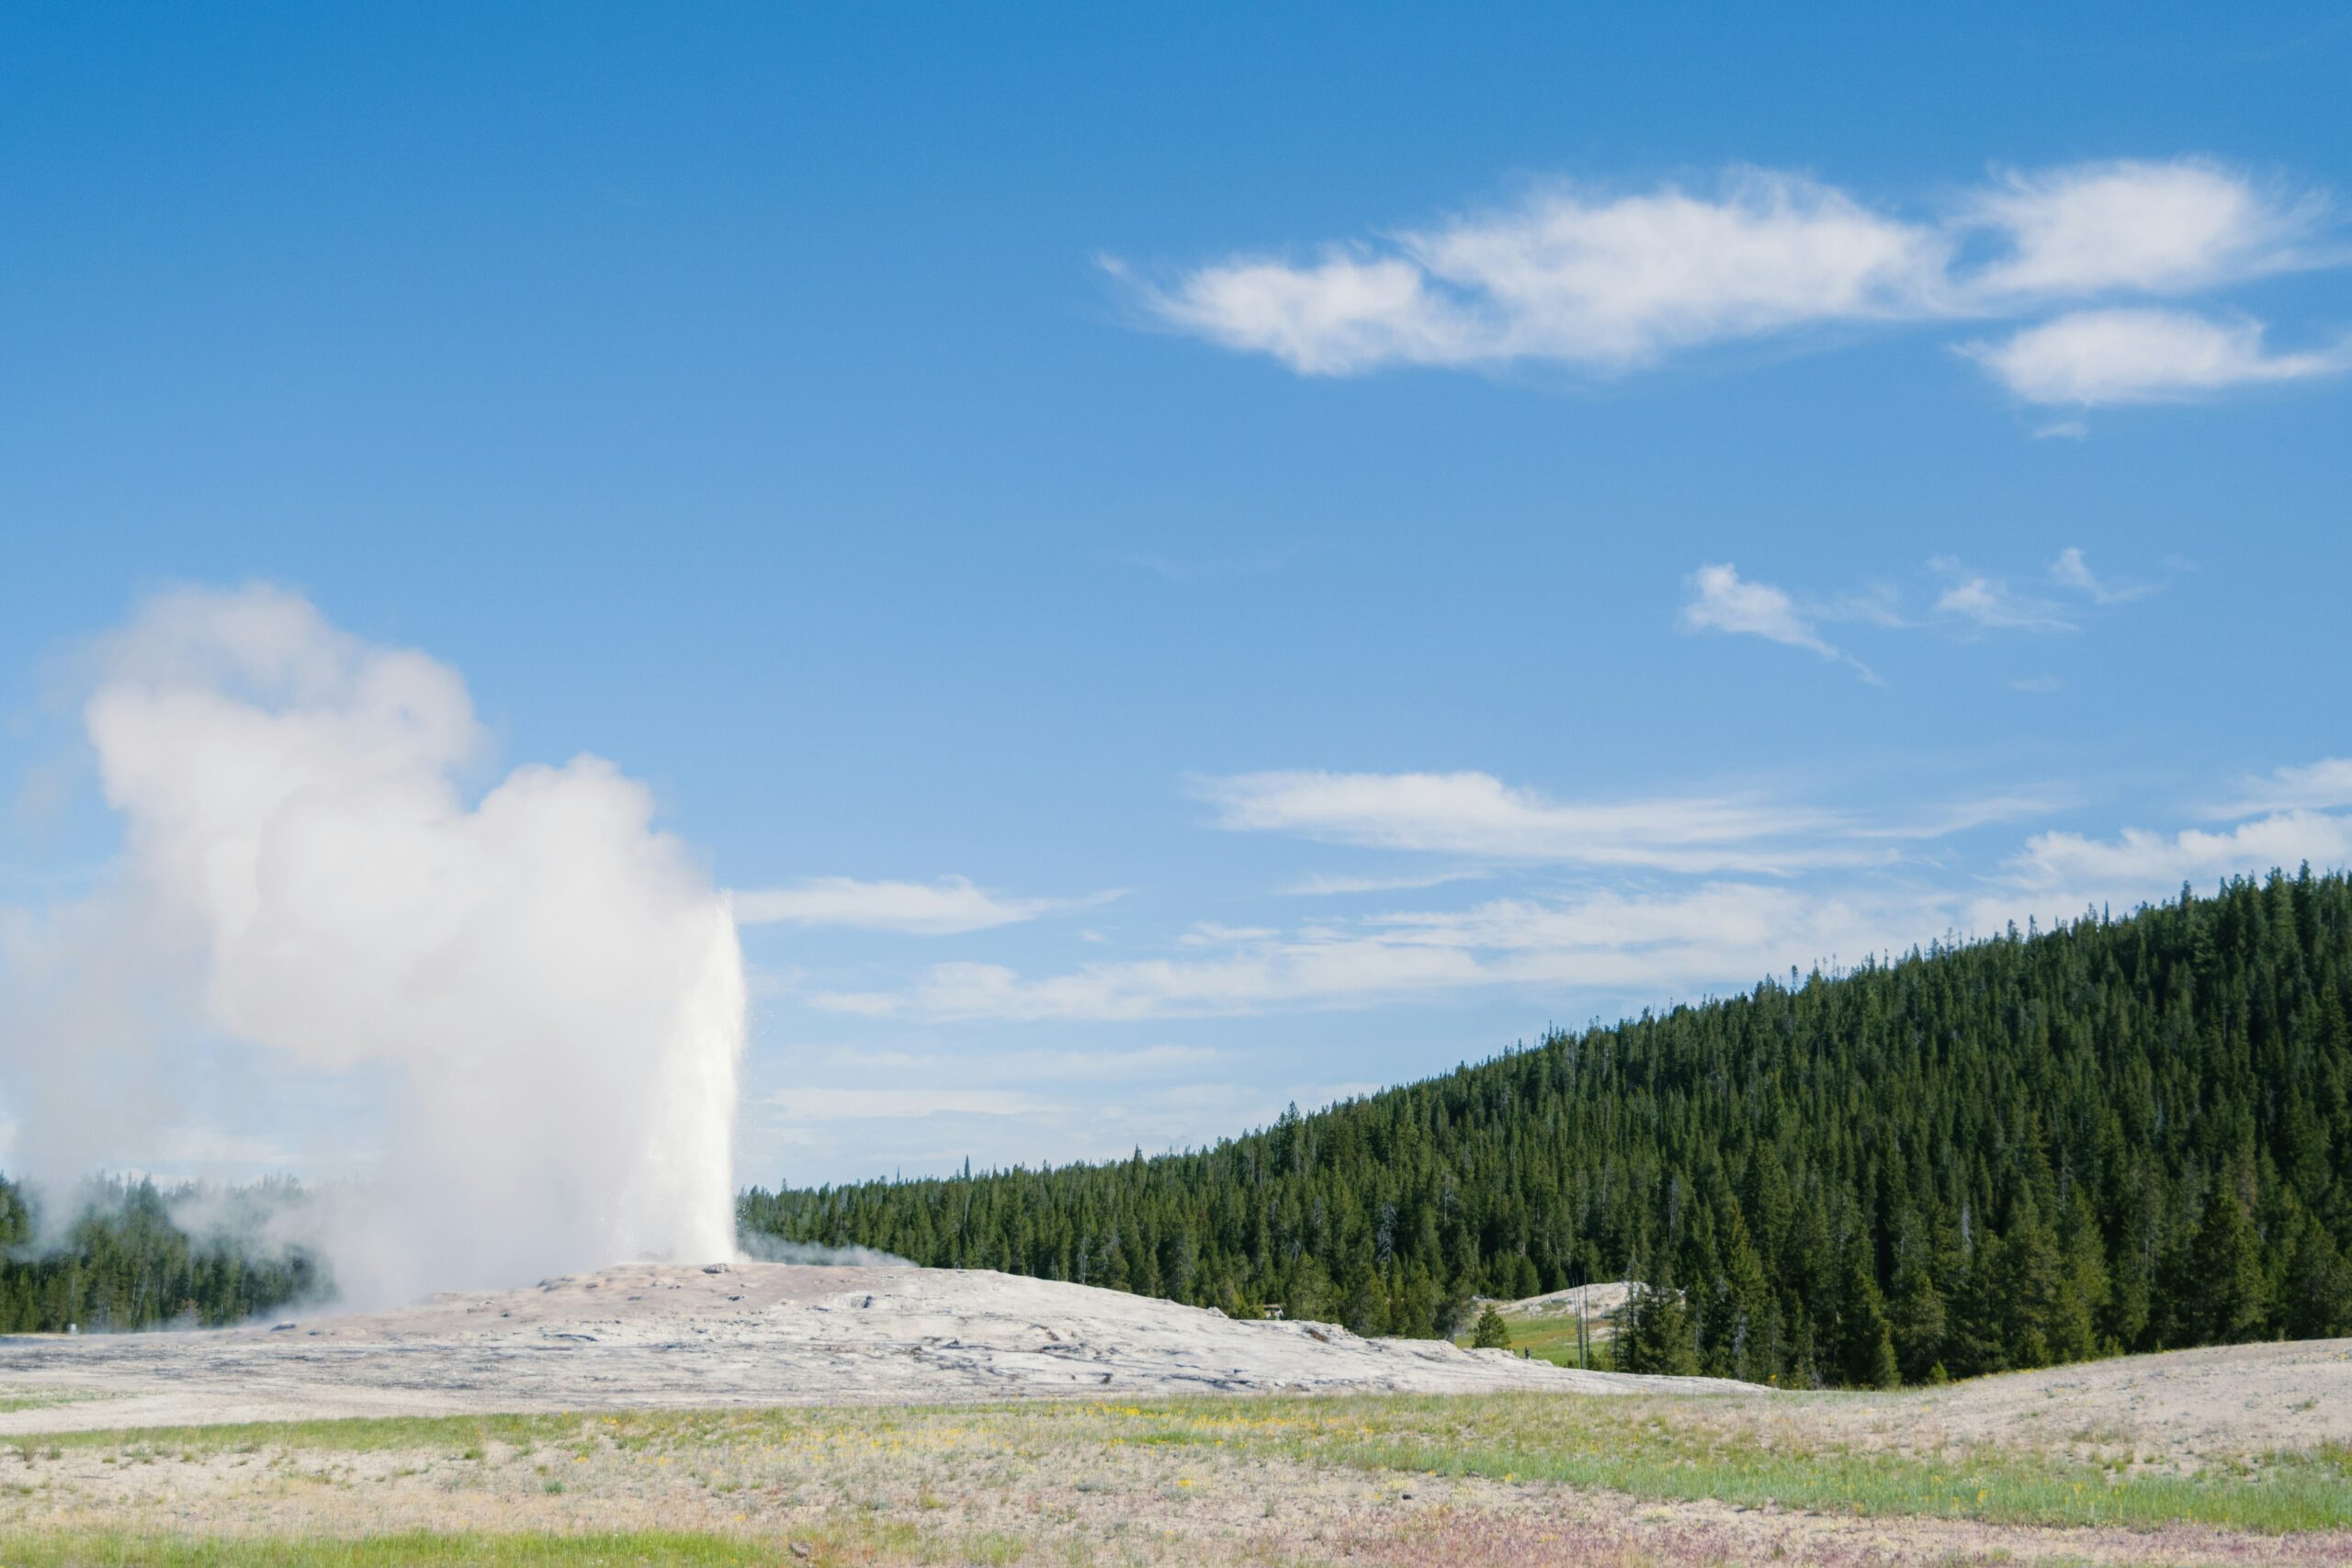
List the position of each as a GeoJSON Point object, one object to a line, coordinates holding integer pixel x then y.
{"type": "Point", "coordinates": [1473, 1480]}
{"type": "Point", "coordinates": [412, 1550]}
{"type": "Point", "coordinates": [1552, 1338]}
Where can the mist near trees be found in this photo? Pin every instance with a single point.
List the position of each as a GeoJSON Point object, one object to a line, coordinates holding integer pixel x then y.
{"type": "Point", "coordinates": [2120, 1135]}
{"type": "Point", "coordinates": [120, 1255]}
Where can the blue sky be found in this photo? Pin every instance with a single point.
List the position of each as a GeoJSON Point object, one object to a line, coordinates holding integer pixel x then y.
{"type": "Point", "coordinates": [1353, 536]}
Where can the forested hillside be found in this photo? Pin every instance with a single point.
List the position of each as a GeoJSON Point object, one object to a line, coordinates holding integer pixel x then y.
{"type": "Point", "coordinates": [2123, 1134]}
{"type": "Point", "coordinates": [125, 1263]}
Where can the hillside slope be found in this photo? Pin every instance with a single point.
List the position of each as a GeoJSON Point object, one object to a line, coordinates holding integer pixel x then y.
{"type": "Point", "coordinates": [2123, 1134]}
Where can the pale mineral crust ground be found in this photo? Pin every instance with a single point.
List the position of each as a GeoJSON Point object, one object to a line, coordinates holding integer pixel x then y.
{"type": "Point", "coordinates": [647, 1335]}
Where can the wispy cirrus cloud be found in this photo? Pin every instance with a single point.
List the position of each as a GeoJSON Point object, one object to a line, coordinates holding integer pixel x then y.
{"type": "Point", "coordinates": [1991, 605]}
{"type": "Point", "coordinates": [2313, 786]}
{"type": "Point", "coordinates": [1961, 816]}
{"type": "Point", "coordinates": [1719, 934]}
{"type": "Point", "coordinates": [1631, 940]}
{"type": "Point", "coordinates": [1476, 814]}
{"type": "Point", "coordinates": [2073, 570]}
{"type": "Point", "coordinates": [1966, 601]}
{"type": "Point", "coordinates": [949, 906]}
{"type": "Point", "coordinates": [1606, 283]}
{"type": "Point", "coordinates": [1722, 601]}
{"type": "Point", "coordinates": [1684, 895]}
{"type": "Point", "coordinates": [1323, 886]}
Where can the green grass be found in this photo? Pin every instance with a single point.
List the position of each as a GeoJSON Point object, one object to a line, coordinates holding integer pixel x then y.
{"type": "Point", "coordinates": [1550, 1338]}
{"type": "Point", "coordinates": [365, 1435]}
{"type": "Point", "coordinates": [859, 1542]}
{"type": "Point", "coordinates": [383, 1552]}
{"type": "Point", "coordinates": [1673, 1450]}
{"type": "Point", "coordinates": [12, 1400]}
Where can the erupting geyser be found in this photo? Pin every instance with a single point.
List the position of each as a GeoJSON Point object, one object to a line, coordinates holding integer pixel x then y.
{"type": "Point", "coordinates": [546, 992]}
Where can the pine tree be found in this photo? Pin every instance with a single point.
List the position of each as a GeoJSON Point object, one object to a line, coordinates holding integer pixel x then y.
{"type": "Point", "coordinates": [2316, 1296]}
{"type": "Point", "coordinates": [1492, 1333]}
{"type": "Point", "coordinates": [1916, 1315]}
{"type": "Point", "coordinates": [2031, 1279]}
{"type": "Point", "coordinates": [2082, 1283]}
{"type": "Point", "coordinates": [1865, 1350]}
{"type": "Point", "coordinates": [2228, 1264]}
{"type": "Point", "coordinates": [1657, 1335]}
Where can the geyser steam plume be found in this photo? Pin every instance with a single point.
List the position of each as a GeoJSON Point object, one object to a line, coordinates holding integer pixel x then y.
{"type": "Point", "coordinates": [547, 990]}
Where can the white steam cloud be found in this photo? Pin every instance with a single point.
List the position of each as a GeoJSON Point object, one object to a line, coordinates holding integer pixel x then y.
{"type": "Point", "coordinates": [548, 991]}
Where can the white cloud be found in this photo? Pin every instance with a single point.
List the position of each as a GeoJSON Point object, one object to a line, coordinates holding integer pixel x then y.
{"type": "Point", "coordinates": [1600, 282]}
{"type": "Point", "coordinates": [2064, 874]}
{"type": "Point", "coordinates": [1722, 602]}
{"type": "Point", "coordinates": [1991, 604]}
{"type": "Point", "coordinates": [948, 908]}
{"type": "Point", "coordinates": [2154, 228]}
{"type": "Point", "coordinates": [2074, 571]}
{"type": "Point", "coordinates": [1610, 283]}
{"type": "Point", "coordinates": [2313, 786]}
{"type": "Point", "coordinates": [1478, 814]}
{"type": "Point", "coordinates": [1621, 282]}
{"type": "Point", "coordinates": [1338, 315]}
{"type": "Point", "coordinates": [2095, 357]}
{"type": "Point", "coordinates": [1629, 943]}
{"type": "Point", "coordinates": [1724, 934]}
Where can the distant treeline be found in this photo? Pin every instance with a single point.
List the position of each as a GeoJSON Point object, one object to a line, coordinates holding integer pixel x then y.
{"type": "Point", "coordinates": [2127, 1134]}
{"type": "Point", "coordinates": [123, 1262]}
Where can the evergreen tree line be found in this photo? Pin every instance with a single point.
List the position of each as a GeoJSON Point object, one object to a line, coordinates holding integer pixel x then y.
{"type": "Point", "coordinates": [2121, 1134]}
{"type": "Point", "coordinates": [124, 1263]}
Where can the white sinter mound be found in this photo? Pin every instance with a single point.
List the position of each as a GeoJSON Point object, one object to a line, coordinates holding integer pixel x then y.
{"type": "Point", "coordinates": [752, 1334]}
